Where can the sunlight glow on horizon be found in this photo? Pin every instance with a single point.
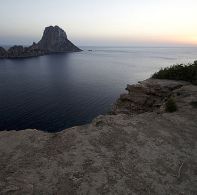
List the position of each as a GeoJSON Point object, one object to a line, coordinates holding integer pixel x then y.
{"type": "Point", "coordinates": [93, 22]}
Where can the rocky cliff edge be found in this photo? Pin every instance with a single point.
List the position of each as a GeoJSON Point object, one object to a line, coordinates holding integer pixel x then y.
{"type": "Point", "coordinates": [138, 149]}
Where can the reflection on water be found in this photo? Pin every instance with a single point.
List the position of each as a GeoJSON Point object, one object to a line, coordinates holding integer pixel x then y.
{"type": "Point", "coordinates": [58, 91]}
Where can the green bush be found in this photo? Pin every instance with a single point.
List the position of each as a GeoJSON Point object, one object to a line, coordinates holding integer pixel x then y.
{"type": "Point", "coordinates": [194, 104]}
{"type": "Point", "coordinates": [170, 105]}
{"type": "Point", "coordinates": [179, 72]}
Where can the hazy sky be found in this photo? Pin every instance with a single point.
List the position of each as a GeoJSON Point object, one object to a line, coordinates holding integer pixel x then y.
{"type": "Point", "coordinates": [101, 22]}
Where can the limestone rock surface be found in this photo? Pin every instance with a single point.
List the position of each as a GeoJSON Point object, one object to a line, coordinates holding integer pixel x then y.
{"type": "Point", "coordinates": [141, 153]}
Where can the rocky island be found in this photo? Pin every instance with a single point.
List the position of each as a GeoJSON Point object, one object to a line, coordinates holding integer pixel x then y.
{"type": "Point", "coordinates": [54, 40]}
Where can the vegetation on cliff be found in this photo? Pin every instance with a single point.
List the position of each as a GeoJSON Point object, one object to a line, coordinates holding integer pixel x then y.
{"type": "Point", "coordinates": [183, 72]}
{"type": "Point", "coordinates": [170, 105]}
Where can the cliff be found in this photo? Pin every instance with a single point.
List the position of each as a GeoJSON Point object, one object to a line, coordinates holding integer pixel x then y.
{"type": "Point", "coordinates": [138, 149]}
{"type": "Point", "coordinates": [54, 40]}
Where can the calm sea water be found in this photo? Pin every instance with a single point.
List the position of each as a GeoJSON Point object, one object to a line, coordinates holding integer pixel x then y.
{"type": "Point", "coordinates": [54, 92]}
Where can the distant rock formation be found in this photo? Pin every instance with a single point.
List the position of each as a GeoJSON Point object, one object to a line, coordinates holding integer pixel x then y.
{"type": "Point", "coordinates": [54, 40]}
{"type": "Point", "coordinates": [3, 52]}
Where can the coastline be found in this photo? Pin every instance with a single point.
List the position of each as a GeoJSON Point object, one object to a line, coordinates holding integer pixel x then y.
{"type": "Point", "coordinates": [139, 148]}
{"type": "Point", "coordinates": [54, 40]}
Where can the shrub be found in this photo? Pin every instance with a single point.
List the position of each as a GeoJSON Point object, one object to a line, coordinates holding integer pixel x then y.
{"type": "Point", "coordinates": [194, 104]}
{"type": "Point", "coordinates": [179, 72]}
{"type": "Point", "coordinates": [170, 105]}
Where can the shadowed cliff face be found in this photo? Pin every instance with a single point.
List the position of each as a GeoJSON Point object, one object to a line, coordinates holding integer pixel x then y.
{"type": "Point", "coordinates": [54, 40]}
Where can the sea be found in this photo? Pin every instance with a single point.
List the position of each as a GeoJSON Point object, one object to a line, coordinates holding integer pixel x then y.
{"type": "Point", "coordinates": [54, 92]}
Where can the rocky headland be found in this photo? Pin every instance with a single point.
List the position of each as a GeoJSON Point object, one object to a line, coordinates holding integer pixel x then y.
{"type": "Point", "coordinates": [137, 149]}
{"type": "Point", "coordinates": [54, 40]}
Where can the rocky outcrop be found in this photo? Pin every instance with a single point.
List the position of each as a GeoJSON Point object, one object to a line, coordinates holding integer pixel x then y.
{"type": "Point", "coordinates": [3, 53]}
{"type": "Point", "coordinates": [54, 40]}
{"type": "Point", "coordinates": [24, 52]}
{"type": "Point", "coordinates": [147, 153]}
{"type": "Point", "coordinates": [145, 96]}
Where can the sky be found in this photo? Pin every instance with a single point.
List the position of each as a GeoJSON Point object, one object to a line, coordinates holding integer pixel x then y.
{"type": "Point", "coordinates": [101, 22]}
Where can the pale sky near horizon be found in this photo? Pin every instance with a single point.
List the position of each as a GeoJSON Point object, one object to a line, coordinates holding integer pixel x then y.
{"type": "Point", "coordinates": [101, 22]}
